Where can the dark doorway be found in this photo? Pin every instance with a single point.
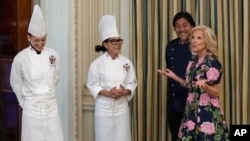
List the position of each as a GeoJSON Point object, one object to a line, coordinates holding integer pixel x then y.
{"type": "Point", "coordinates": [14, 16]}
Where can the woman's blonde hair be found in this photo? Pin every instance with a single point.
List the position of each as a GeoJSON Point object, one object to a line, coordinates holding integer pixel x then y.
{"type": "Point", "coordinates": [210, 38]}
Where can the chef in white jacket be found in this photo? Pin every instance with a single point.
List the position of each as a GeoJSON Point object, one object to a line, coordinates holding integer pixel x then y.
{"type": "Point", "coordinates": [34, 77]}
{"type": "Point", "coordinates": [112, 82]}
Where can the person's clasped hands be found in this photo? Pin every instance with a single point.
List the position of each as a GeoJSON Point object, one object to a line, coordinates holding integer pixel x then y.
{"type": "Point", "coordinates": [117, 93]}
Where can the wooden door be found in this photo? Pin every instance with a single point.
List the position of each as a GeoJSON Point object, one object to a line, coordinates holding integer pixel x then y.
{"type": "Point", "coordinates": [14, 16]}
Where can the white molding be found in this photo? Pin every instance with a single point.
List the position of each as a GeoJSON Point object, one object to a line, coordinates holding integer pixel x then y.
{"type": "Point", "coordinates": [73, 118]}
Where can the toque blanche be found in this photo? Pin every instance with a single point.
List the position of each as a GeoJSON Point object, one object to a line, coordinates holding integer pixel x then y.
{"type": "Point", "coordinates": [37, 25]}
{"type": "Point", "coordinates": [107, 27]}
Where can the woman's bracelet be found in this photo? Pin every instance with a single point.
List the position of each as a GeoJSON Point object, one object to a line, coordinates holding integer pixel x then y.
{"type": "Point", "coordinates": [183, 83]}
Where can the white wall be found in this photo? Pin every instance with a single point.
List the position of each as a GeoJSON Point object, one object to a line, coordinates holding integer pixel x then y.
{"type": "Point", "coordinates": [56, 16]}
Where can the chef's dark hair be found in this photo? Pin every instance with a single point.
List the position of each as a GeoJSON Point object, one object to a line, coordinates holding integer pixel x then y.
{"type": "Point", "coordinates": [29, 34]}
{"type": "Point", "coordinates": [99, 48]}
{"type": "Point", "coordinates": [185, 15]}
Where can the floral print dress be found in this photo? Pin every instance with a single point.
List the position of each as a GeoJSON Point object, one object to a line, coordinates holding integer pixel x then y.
{"type": "Point", "coordinates": [203, 119]}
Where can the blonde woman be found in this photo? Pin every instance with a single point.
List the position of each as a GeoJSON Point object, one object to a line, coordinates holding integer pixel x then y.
{"type": "Point", "coordinates": [203, 118]}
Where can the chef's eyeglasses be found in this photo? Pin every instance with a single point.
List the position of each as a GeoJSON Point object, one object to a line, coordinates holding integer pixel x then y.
{"type": "Point", "coordinates": [115, 41]}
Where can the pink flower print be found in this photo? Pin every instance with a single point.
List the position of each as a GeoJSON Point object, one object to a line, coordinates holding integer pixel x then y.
{"type": "Point", "coordinates": [202, 67]}
{"type": "Point", "coordinates": [199, 110]}
{"type": "Point", "coordinates": [179, 134]}
{"type": "Point", "coordinates": [215, 102]}
{"type": "Point", "coordinates": [198, 119]}
{"type": "Point", "coordinates": [204, 99]}
{"type": "Point", "coordinates": [207, 127]}
{"type": "Point", "coordinates": [190, 125]}
{"type": "Point", "coordinates": [189, 65]}
{"type": "Point", "coordinates": [190, 97]}
{"type": "Point", "coordinates": [197, 77]}
{"type": "Point", "coordinates": [199, 62]}
{"type": "Point", "coordinates": [213, 74]}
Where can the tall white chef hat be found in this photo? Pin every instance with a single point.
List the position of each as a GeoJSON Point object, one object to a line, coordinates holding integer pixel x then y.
{"type": "Point", "coordinates": [37, 25]}
{"type": "Point", "coordinates": [107, 27]}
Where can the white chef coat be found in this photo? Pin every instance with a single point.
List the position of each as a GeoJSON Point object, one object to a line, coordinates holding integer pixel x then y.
{"type": "Point", "coordinates": [33, 79]}
{"type": "Point", "coordinates": [112, 120]}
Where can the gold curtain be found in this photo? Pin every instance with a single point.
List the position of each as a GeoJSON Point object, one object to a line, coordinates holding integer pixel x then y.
{"type": "Point", "coordinates": [151, 29]}
{"type": "Point", "coordinates": [233, 35]}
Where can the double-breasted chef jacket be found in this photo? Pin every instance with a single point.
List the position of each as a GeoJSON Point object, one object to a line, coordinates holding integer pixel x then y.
{"type": "Point", "coordinates": [112, 120]}
{"type": "Point", "coordinates": [34, 78]}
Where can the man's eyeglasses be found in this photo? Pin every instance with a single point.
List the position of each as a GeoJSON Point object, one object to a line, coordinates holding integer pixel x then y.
{"type": "Point", "coordinates": [115, 41]}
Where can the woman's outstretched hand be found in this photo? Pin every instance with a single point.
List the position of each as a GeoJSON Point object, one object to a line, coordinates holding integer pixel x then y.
{"type": "Point", "coordinates": [167, 73]}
